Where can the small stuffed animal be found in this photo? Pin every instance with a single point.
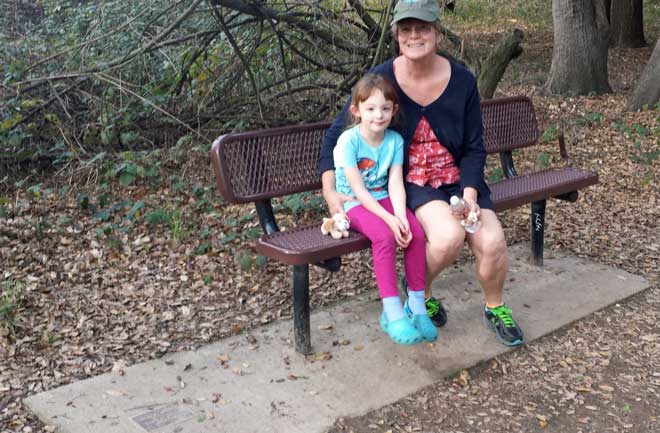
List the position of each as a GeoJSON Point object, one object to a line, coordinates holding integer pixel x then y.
{"type": "Point", "coordinates": [337, 226]}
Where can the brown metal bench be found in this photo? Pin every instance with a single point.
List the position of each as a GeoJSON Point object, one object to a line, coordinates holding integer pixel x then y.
{"type": "Point", "coordinates": [260, 165]}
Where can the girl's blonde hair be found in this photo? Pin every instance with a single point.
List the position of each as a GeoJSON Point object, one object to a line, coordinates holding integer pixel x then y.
{"type": "Point", "coordinates": [367, 84]}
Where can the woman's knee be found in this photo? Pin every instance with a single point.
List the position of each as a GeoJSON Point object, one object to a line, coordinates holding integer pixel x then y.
{"type": "Point", "coordinates": [490, 244]}
{"type": "Point", "coordinates": [495, 248]}
{"type": "Point", "coordinates": [448, 243]}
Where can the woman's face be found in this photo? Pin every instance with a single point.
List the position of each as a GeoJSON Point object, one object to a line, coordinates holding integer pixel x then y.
{"type": "Point", "coordinates": [417, 39]}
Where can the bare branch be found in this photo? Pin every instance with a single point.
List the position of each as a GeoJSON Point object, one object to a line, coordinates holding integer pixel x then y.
{"type": "Point", "coordinates": [259, 9]}
{"type": "Point", "coordinates": [246, 65]}
{"type": "Point", "coordinates": [372, 26]}
{"type": "Point", "coordinates": [120, 86]}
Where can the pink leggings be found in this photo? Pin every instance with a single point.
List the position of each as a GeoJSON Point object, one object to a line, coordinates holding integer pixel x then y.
{"type": "Point", "coordinates": [383, 247]}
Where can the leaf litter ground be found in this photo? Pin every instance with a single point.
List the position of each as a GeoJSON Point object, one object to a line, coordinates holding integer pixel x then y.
{"type": "Point", "coordinates": [84, 293]}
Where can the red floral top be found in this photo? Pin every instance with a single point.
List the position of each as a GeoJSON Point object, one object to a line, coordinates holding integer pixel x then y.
{"type": "Point", "coordinates": [429, 161]}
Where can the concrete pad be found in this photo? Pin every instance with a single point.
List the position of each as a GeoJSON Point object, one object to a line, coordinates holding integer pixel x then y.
{"type": "Point", "coordinates": [267, 387]}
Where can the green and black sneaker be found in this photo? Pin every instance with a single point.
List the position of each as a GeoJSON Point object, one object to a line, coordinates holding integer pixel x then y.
{"type": "Point", "coordinates": [506, 329]}
{"type": "Point", "coordinates": [434, 307]}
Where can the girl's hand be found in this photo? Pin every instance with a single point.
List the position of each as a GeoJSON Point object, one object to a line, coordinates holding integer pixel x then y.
{"type": "Point", "coordinates": [405, 226]}
{"type": "Point", "coordinates": [401, 232]}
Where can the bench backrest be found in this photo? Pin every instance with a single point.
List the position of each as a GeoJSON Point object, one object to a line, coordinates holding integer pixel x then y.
{"type": "Point", "coordinates": [509, 123]}
{"type": "Point", "coordinates": [258, 165]}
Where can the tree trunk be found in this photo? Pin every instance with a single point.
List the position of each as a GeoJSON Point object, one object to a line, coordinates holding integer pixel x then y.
{"type": "Point", "coordinates": [627, 24]}
{"type": "Point", "coordinates": [579, 56]}
{"type": "Point", "coordinates": [494, 66]}
{"type": "Point", "coordinates": [647, 91]}
{"type": "Point", "coordinates": [608, 9]}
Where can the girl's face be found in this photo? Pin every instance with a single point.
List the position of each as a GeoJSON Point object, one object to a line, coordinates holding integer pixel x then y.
{"type": "Point", "coordinates": [417, 39]}
{"type": "Point", "coordinates": [375, 112]}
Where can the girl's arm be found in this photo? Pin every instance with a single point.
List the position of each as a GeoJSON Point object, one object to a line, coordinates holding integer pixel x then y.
{"type": "Point", "coordinates": [398, 198]}
{"type": "Point", "coordinates": [397, 192]}
{"type": "Point", "coordinates": [357, 186]}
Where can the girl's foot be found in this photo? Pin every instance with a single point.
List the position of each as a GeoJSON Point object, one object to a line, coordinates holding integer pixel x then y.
{"type": "Point", "coordinates": [425, 327]}
{"type": "Point", "coordinates": [401, 331]}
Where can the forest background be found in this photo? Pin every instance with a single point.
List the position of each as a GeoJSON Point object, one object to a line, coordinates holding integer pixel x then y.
{"type": "Point", "coordinates": [115, 249]}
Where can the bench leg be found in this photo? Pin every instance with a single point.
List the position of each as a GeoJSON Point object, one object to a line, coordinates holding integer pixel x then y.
{"type": "Point", "coordinates": [538, 224]}
{"type": "Point", "coordinates": [301, 309]}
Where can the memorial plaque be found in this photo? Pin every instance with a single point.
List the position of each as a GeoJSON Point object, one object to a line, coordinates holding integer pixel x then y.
{"type": "Point", "coordinates": [156, 419]}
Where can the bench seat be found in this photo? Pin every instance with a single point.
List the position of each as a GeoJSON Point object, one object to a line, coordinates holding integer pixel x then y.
{"type": "Point", "coordinates": [531, 187]}
{"type": "Point", "coordinates": [306, 245]}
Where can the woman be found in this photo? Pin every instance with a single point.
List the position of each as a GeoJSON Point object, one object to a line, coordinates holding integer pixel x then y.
{"type": "Point", "coordinates": [444, 155]}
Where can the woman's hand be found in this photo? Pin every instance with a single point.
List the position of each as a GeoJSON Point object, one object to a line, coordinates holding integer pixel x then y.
{"type": "Point", "coordinates": [335, 201]}
{"type": "Point", "coordinates": [472, 206]}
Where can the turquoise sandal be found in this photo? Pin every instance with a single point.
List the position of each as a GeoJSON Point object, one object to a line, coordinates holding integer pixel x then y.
{"type": "Point", "coordinates": [401, 331]}
{"type": "Point", "coordinates": [425, 326]}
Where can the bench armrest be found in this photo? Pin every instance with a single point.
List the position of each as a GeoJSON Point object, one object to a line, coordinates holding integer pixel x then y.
{"type": "Point", "coordinates": [506, 161]}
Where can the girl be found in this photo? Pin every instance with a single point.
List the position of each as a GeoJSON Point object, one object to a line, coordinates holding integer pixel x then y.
{"type": "Point", "coordinates": [368, 161]}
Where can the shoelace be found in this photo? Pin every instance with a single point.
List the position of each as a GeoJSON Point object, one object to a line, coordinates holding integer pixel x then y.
{"type": "Point", "coordinates": [504, 314]}
{"type": "Point", "coordinates": [432, 306]}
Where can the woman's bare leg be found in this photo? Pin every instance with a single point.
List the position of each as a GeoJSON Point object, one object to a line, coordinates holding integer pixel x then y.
{"type": "Point", "coordinates": [489, 248]}
{"type": "Point", "coordinates": [444, 238]}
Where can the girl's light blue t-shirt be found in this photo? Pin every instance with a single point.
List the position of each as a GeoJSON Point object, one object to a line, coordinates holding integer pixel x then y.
{"type": "Point", "coordinates": [373, 162]}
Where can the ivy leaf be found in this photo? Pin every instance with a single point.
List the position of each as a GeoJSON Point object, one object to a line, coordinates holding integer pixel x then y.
{"type": "Point", "coordinates": [126, 178]}
{"type": "Point", "coordinates": [102, 215]}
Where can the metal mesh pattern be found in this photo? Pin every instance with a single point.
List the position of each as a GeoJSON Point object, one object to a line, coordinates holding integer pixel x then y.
{"type": "Point", "coordinates": [308, 245]}
{"type": "Point", "coordinates": [273, 163]}
{"type": "Point", "coordinates": [509, 123]}
{"type": "Point", "coordinates": [523, 189]}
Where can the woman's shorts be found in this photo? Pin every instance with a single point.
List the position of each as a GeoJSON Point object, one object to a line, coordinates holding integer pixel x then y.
{"type": "Point", "coordinates": [418, 195]}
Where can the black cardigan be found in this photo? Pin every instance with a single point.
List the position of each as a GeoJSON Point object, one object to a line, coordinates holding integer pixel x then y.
{"type": "Point", "coordinates": [455, 118]}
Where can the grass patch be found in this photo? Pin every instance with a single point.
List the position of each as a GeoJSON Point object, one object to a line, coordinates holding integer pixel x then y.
{"type": "Point", "coordinates": [11, 300]}
{"type": "Point", "coordinates": [532, 14]}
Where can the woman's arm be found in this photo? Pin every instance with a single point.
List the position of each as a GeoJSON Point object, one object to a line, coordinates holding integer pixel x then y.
{"type": "Point", "coordinates": [333, 199]}
{"type": "Point", "coordinates": [330, 139]}
{"type": "Point", "coordinates": [473, 159]}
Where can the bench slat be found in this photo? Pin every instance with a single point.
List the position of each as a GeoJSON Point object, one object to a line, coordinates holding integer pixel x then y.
{"type": "Point", "coordinates": [307, 245]}
{"type": "Point", "coordinates": [509, 123]}
{"type": "Point", "coordinates": [526, 188]}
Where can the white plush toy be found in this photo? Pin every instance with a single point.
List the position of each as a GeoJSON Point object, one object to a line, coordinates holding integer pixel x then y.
{"type": "Point", "coordinates": [337, 226]}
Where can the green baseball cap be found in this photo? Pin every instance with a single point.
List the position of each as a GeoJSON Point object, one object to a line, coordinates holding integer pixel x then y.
{"type": "Point", "coordinates": [424, 10]}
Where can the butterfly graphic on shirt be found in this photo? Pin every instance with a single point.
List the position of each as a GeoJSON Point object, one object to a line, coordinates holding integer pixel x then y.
{"type": "Point", "coordinates": [369, 172]}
